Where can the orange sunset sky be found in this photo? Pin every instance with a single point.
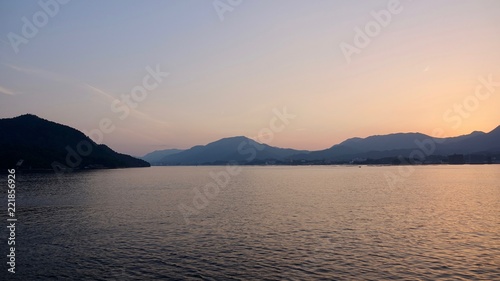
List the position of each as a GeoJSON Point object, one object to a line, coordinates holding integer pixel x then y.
{"type": "Point", "coordinates": [413, 66]}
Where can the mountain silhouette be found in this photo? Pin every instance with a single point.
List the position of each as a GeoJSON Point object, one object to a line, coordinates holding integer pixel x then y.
{"type": "Point", "coordinates": [239, 149]}
{"type": "Point", "coordinates": [30, 142]}
{"type": "Point", "coordinates": [476, 143]}
{"type": "Point", "coordinates": [157, 155]}
{"type": "Point", "coordinates": [389, 147]}
{"type": "Point", "coordinates": [374, 146]}
{"type": "Point", "coordinates": [403, 144]}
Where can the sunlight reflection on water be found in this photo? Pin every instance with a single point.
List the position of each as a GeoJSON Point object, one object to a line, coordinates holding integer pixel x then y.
{"type": "Point", "coordinates": [297, 223]}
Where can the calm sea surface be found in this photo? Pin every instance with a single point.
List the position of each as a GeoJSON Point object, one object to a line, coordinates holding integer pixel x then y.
{"type": "Point", "coordinates": [262, 223]}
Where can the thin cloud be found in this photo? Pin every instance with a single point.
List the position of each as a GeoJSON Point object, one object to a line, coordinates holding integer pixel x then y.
{"type": "Point", "coordinates": [99, 91]}
{"type": "Point", "coordinates": [60, 78]}
{"type": "Point", "coordinates": [38, 72]}
{"type": "Point", "coordinates": [134, 112]}
{"type": "Point", "coordinates": [6, 91]}
{"type": "Point", "coordinates": [150, 118]}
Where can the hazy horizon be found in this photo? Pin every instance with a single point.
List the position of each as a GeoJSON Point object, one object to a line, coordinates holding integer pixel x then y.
{"type": "Point", "coordinates": [262, 141]}
{"type": "Point", "coordinates": [229, 72]}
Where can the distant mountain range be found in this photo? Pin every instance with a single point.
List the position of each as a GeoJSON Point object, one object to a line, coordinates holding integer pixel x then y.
{"type": "Point", "coordinates": [398, 148]}
{"type": "Point", "coordinates": [30, 142]}
{"type": "Point", "coordinates": [157, 155]}
{"type": "Point", "coordinates": [404, 144]}
{"type": "Point", "coordinates": [236, 149]}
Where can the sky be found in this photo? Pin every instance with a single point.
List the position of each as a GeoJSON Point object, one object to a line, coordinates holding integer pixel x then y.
{"type": "Point", "coordinates": [151, 75]}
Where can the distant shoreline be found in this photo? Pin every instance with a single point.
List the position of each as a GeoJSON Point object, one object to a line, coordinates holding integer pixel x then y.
{"type": "Point", "coordinates": [50, 171]}
{"type": "Point", "coordinates": [342, 165]}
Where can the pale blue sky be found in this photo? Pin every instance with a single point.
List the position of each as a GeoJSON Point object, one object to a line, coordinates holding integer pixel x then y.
{"type": "Point", "coordinates": [226, 77]}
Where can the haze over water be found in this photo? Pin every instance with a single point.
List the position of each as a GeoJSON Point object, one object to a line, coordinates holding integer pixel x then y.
{"type": "Point", "coordinates": [295, 223]}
